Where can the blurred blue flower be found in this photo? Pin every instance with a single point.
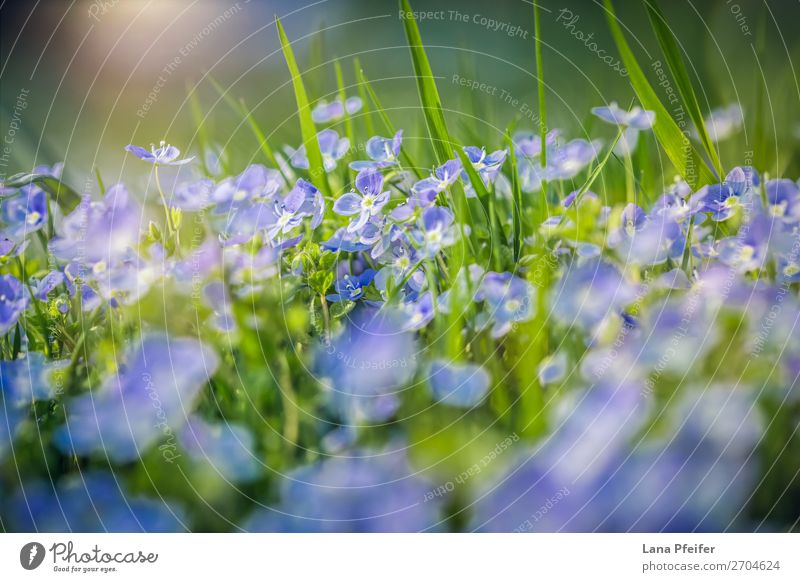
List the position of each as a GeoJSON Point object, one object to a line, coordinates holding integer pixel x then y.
{"type": "Point", "coordinates": [255, 183]}
{"type": "Point", "coordinates": [486, 165]}
{"type": "Point", "coordinates": [437, 232]}
{"type": "Point", "coordinates": [163, 155]}
{"type": "Point", "coordinates": [508, 300]}
{"type": "Point", "coordinates": [552, 369]}
{"type": "Point", "coordinates": [363, 366]}
{"type": "Point", "coordinates": [636, 118]}
{"type": "Point", "coordinates": [92, 501]}
{"type": "Point", "coordinates": [570, 159]}
{"type": "Point", "coordinates": [418, 313]}
{"type": "Point", "coordinates": [331, 146]}
{"type": "Point", "coordinates": [722, 123]}
{"type": "Point", "coordinates": [14, 300]}
{"type": "Point", "coordinates": [371, 491]}
{"type": "Point", "coordinates": [783, 199]}
{"type": "Point", "coordinates": [588, 294]}
{"type": "Point", "coordinates": [368, 203]}
{"type": "Point", "coordinates": [325, 112]}
{"type": "Point", "coordinates": [458, 384]}
{"type": "Point", "coordinates": [227, 448]}
{"type": "Point", "coordinates": [146, 401]}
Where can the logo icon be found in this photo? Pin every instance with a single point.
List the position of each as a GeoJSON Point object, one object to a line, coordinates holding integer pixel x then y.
{"type": "Point", "coordinates": [31, 555]}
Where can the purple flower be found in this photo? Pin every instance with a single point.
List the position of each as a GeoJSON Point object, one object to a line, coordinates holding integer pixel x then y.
{"type": "Point", "coordinates": [369, 491]}
{"type": "Point", "coordinates": [48, 283]}
{"type": "Point", "coordinates": [351, 287]}
{"type": "Point", "coordinates": [99, 231]}
{"type": "Point", "coordinates": [164, 155]}
{"type": "Point", "coordinates": [368, 203]}
{"type": "Point", "coordinates": [90, 501]}
{"type": "Point", "coordinates": [418, 313]}
{"type": "Point", "coordinates": [636, 118]}
{"type": "Point", "coordinates": [365, 364]}
{"type": "Point", "coordinates": [441, 179]}
{"type": "Point", "coordinates": [529, 145]}
{"type": "Point", "coordinates": [331, 146]}
{"type": "Point", "coordinates": [588, 294]}
{"type": "Point", "coordinates": [437, 230]}
{"type": "Point", "coordinates": [146, 401]}
{"type": "Point", "coordinates": [748, 250]}
{"type": "Point", "coordinates": [383, 152]}
{"type": "Point", "coordinates": [486, 165]}
{"type": "Point", "coordinates": [25, 213]}
{"type": "Point", "coordinates": [13, 302]}
{"type": "Point", "coordinates": [722, 123]}
{"type": "Point", "coordinates": [783, 199]}
{"type": "Point", "coordinates": [571, 158]}
{"type": "Point", "coordinates": [456, 384]}
{"type": "Point", "coordinates": [657, 239]}
{"type": "Point", "coordinates": [226, 448]}
{"type": "Point", "coordinates": [255, 183]}
{"type": "Point", "coordinates": [508, 300]}
{"type": "Point", "coordinates": [723, 200]}
{"type": "Point", "coordinates": [325, 112]}
{"type": "Point", "coordinates": [192, 196]}
{"type": "Point", "coordinates": [345, 241]}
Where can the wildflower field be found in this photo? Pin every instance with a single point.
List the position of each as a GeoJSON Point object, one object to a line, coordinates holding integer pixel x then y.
{"type": "Point", "coordinates": [416, 318]}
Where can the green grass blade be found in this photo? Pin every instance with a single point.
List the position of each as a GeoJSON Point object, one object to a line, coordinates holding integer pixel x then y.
{"type": "Point", "coordinates": [200, 123]}
{"type": "Point", "coordinates": [687, 161]}
{"type": "Point", "coordinates": [516, 199]}
{"type": "Point", "coordinates": [348, 123]}
{"type": "Point", "coordinates": [672, 56]}
{"type": "Point", "coordinates": [366, 110]}
{"type": "Point", "coordinates": [542, 102]}
{"type": "Point", "coordinates": [426, 85]}
{"type": "Point", "coordinates": [390, 128]}
{"type": "Point", "coordinates": [66, 198]}
{"type": "Point", "coordinates": [316, 169]}
{"type": "Point", "coordinates": [486, 202]}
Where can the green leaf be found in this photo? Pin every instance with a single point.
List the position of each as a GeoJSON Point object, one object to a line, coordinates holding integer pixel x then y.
{"type": "Point", "coordinates": [516, 198]}
{"type": "Point", "coordinates": [316, 169]}
{"type": "Point", "coordinates": [675, 142]}
{"type": "Point", "coordinates": [64, 196]}
{"type": "Point", "coordinates": [672, 56]}
{"type": "Point", "coordinates": [541, 99]}
{"type": "Point", "coordinates": [426, 85]}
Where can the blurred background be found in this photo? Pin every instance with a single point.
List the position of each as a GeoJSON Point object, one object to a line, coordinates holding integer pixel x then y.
{"type": "Point", "coordinates": [82, 79]}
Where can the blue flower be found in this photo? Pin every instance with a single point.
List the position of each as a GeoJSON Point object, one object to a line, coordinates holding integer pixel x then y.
{"type": "Point", "coordinates": [722, 123]}
{"type": "Point", "coordinates": [325, 112]}
{"type": "Point", "coordinates": [369, 491]}
{"type": "Point", "coordinates": [552, 369]}
{"type": "Point", "coordinates": [748, 250]}
{"type": "Point", "coordinates": [164, 155]}
{"type": "Point", "coordinates": [570, 159]}
{"type": "Point", "coordinates": [437, 230]}
{"type": "Point", "coordinates": [486, 165]}
{"type": "Point", "coordinates": [783, 199]}
{"type": "Point", "coordinates": [508, 300]}
{"type": "Point", "coordinates": [419, 313]}
{"type": "Point", "coordinates": [636, 118]}
{"type": "Point", "coordinates": [383, 152]}
{"type": "Point", "coordinates": [529, 145]}
{"type": "Point", "coordinates": [13, 302]}
{"type": "Point", "coordinates": [351, 287]}
{"type": "Point", "coordinates": [463, 385]}
{"type": "Point", "coordinates": [99, 232]}
{"type": "Point", "coordinates": [192, 196]}
{"type": "Point", "coordinates": [345, 241]}
{"type": "Point", "coordinates": [255, 183]}
{"type": "Point", "coordinates": [442, 178]}
{"type": "Point", "coordinates": [588, 294]}
{"type": "Point", "coordinates": [91, 501]}
{"type": "Point", "coordinates": [25, 213]}
{"type": "Point", "coordinates": [655, 240]}
{"type": "Point", "coordinates": [365, 364]}
{"type": "Point", "coordinates": [47, 284]}
{"type": "Point", "coordinates": [367, 204]}
{"type": "Point", "coordinates": [226, 448]}
{"type": "Point", "coordinates": [724, 199]}
{"type": "Point", "coordinates": [331, 146]}
{"type": "Point", "coordinates": [148, 400]}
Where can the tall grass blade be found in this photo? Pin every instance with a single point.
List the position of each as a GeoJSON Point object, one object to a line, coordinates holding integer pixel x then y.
{"type": "Point", "coordinates": [366, 109]}
{"type": "Point", "coordinates": [687, 161]}
{"type": "Point", "coordinates": [541, 99]}
{"type": "Point", "coordinates": [426, 85]}
{"type": "Point", "coordinates": [316, 169]}
{"type": "Point", "coordinates": [672, 56]}
{"type": "Point", "coordinates": [348, 122]}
